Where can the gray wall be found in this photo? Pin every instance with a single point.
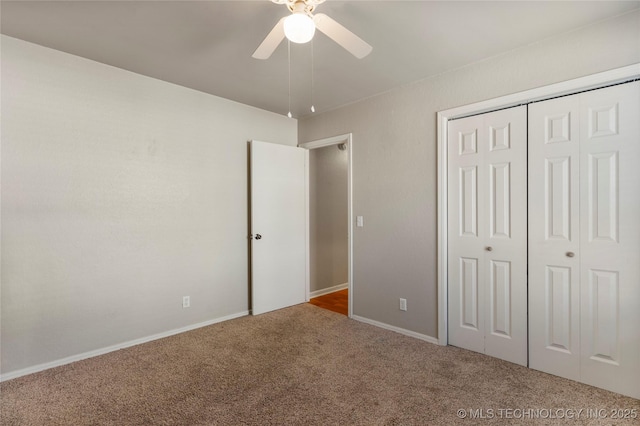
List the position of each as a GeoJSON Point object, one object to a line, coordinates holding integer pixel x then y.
{"type": "Point", "coordinates": [120, 195]}
{"type": "Point", "coordinates": [394, 159]}
{"type": "Point", "coordinates": [328, 217]}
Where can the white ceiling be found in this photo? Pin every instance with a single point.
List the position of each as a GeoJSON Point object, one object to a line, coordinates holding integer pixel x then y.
{"type": "Point", "coordinates": [207, 45]}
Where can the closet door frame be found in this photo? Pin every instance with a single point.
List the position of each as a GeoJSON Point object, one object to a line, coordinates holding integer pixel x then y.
{"type": "Point", "coordinates": [618, 75]}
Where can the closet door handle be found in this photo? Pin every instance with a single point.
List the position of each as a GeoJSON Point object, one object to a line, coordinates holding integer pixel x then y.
{"type": "Point", "coordinates": [570, 254]}
{"type": "Point", "coordinates": [488, 248]}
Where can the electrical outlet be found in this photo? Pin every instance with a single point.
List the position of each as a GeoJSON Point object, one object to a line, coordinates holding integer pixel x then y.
{"type": "Point", "coordinates": [186, 301]}
{"type": "Point", "coordinates": [403, 304]}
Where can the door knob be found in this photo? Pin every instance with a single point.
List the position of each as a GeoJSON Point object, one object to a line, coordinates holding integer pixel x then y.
{"type": "Point", "coordinates": [570, 254]}
{"type": "Point", "coordinates": [258, 236]}
{"type": "Point", "coordinates": [488, 248]}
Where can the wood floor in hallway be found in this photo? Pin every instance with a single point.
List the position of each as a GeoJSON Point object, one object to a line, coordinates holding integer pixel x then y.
{"type": "Point", "coordinates": [337, 301]}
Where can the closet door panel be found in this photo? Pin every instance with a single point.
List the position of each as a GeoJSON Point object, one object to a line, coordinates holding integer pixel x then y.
{"type": "Point", "coordinates": [465, 234]}
{"type": "Point", "coordinates": [554, 219]}
{"type": "Point", "coordinates": [487, 234]}
{"type": "Point", "coordinates": [584, 237]}
{"type": "Point", "coordinates": [505, 243]}
{"type": "Point", "coordinates": [610, 238]}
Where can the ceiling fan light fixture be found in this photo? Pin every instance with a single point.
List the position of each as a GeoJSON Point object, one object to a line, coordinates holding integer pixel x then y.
{"type": "Point", "coordinates": [299, 28]}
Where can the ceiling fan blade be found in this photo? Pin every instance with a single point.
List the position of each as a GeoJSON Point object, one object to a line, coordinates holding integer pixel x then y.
{"type": "Point", "coordinates": [345, 38]}
{"type": "Point", "coordinates": [271, 41]}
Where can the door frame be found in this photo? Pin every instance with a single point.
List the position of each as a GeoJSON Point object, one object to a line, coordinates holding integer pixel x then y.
{"type": "Point", "coordinates": [594, 81]}
{"type": "Point", "coordinates": [347, 139]}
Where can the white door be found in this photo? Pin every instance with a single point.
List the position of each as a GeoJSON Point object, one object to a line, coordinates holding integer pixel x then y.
{"type": "Point", "coordinates": [278, 226]}
{"type": "Point", "coordinates": [487, 234]}
{"type": "Point", "coordinates": [554, 228]}
{"type": "Point", "coordinates": [585, 242]}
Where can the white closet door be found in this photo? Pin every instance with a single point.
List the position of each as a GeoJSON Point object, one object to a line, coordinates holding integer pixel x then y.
{"type": "Point", "coordinates": [554, 226]}
{"type": "Point", "coordinates": [506, 235]}
{"type": "Point", "coordinates": [610, 238]}
{"type": "Point", "coordinates": [487, 234]}
{"type": "Point", "coordinates": [584, 252]}
{"type": "Point", "coordinates": [466, 233]}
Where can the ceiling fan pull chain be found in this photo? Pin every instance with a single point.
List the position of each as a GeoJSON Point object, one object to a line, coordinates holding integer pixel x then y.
{"type": "Point", "coordinates": [289, 65]}
{"type": "Point", "coordinates": [313, 109]}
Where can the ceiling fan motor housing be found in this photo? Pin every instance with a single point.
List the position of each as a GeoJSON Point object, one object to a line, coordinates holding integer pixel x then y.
{"type": "Point", "coordinates": [300, 6]}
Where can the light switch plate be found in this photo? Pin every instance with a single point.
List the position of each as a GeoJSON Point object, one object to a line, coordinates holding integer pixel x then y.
{"type": "Point", "coordinates": [403, 304]}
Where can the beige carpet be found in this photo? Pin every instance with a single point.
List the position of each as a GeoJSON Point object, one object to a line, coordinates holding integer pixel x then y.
{"type": "Point", "coordinates": [298, 366]}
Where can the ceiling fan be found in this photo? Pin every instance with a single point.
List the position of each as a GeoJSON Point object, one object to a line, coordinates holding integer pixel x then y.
{"type": "Point", "coordinates": [300, 26]}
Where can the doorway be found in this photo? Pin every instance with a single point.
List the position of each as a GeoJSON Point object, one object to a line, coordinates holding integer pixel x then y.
{"type": "Point", "coordinates": [329, 250]}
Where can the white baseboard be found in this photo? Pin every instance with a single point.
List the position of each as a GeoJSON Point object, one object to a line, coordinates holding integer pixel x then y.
{"type": "Point", "coordinates": [328, 290]}
{"type": "Point", "coordinates": [396, 329]}
{"type": "Point", "coordinates": [68, 360]}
